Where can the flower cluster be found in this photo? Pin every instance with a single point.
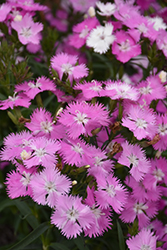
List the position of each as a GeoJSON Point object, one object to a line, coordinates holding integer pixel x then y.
{"type": "Point", "coordinates": [100, 126]}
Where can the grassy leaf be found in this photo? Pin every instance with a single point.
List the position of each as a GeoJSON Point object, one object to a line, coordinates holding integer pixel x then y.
{"type": "Point", "coordinates": [120, 237]}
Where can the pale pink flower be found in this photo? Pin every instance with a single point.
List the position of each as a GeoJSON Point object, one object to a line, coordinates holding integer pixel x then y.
{"type": "Point", "coordinates": [27, 5]}
{"type": "Point", "coordinates": [142, 122]}
{"type": "Point", "coordinates": [134, 157]}
{"type": "Point", "coordinates": [81, 5]}
{"type": "Point", "coordinates": [145, 239]}
{"type": "Point", "coordinates": [27, 30]}
{"type": "Point", "coordinates": [110, 193]}
{"type": "Point", "coordinates": [162, 41]}
{"type": "Point", "coordinates": [48, 186]}
{"type": "Point", "coordinates": [71, 216]}
{"type": "Point", "coordinates": [64, 63]}
{"type": "Point", "coordinates": [101, 216]}
{"type": "Point", "coordinates": [162, 132]}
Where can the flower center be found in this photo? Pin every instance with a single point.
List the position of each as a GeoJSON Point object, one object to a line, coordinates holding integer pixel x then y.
{"type": "Point", "coordinates": [67, 68]}
{"type": "Point", "coordinates": [141, 123]}
{"type": "Point", "coordinates": [162, 129]}
{"type": "Point", "coordinates": [26, 178]}
{"type": "Point", "coordinates": [98, 161]}
{"type": "Point", "coordinates": [40, 152]}
{"type": "Point", "coordinates": [81, 118]}
{"type": "Point", "coordinates": [84, 32]}
{"type": "Point", "coordinates": [77, 148]}
{"type": "Point", "coordinates": [139, 207]}
{"type": "Point", "coordinates": [46, 126]}
{"type": "Point", "coordinates": [13, 98]}
{"type": "Point", "coordinates": [34, 85]}
{"type": "Point", "coordinates": [158, 174]}
{"type": "Point", "coordinates": [125, 46]}
{"type": "Point", "coordinates": [146, 90]}
{"type": "Point", "coordinates": [133, 160]}
{"type": "Point", "coordinates": [145, 247]}
{"type": "Point", "coordinates": [72, 214]}
{"type": "Point", "coordinates": [26, 32]}
{"type": "Point", "coordinates": [50, 187]}
{"type": "Point", "coordinates": [111, 190]}
{"type": "Point", "coordinates": [142, 28]}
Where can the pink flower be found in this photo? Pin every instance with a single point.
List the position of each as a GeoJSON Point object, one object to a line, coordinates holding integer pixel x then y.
{"type": "Point", "coordinates": [162, 41]}
{"type": "Point", "coordinates": [144, 211]}
{"type": "Point", "coordinates": [125, 47]}
{"type": "Point", "coordinates": [66, 64]}
{"type": "Point", "coordinates": [15, 100]}
{"type": "Point", "coordinates": [101, 216]}
{"type": "Point", "coordinates": [82, 6]}
{"type": "Point", "coordinates": [151, 89]}
{"type": "Point", "coordinates": [42, 124]}
{"type": "Point", "coordinates": [48, 185]}
{"type": "Point", "coordinates": [71, 216]}
{"type": "Point", "coordinates": [27, 30]}
{"type": "Point", "coordinates": [145, 239]}
{"type": "Point", "coordinates": [43, 153]}
{"type": "Point", "coordinates": [162, 131]}
{"type": "Point", "coordinates": [31, 88]}
{"type": "Point", "coordinates": [110, 192]}
{"type": "Point", "coordinates": [18, 182]}
{"type": "Point", "coordinates": [142, 122]}
{"type": "Point", "coordinates": [133, 157]}
{"type": "Point", "coordinates": [82, 118]}
{"type": "Point", "coordinates": [4, 11]}
{"type": "Point", "coordinates": [81, 31]}
{"type": "Point", "coordinates": [27, 5]}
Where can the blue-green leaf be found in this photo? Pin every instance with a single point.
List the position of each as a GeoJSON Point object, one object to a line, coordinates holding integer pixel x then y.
{"type": "Point", "coordinates": [120, 237]}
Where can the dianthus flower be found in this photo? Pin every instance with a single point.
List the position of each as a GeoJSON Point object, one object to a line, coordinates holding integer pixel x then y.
{"type": "Point", "coordinates": [151, 89]}
{"type": "Point", "coordinates": [107, 9]}
{"type": "Point", "coordinates": [101, 216]}
{"type": "Point", "coordinates": [81, 5]}
{"type": "Point", "coordinates": [133, 156]}
{"type": "Point", "coordinates": [27, 30]}
{"type": "Point", "coordinates": [27, 5]}
{"type": "Point", "coordinates": [31, 89]}
{"type": "Point", "coordinates": [48, 186]}
{"type": "Point", "coordinates": [42, 124]}
{"type": "Point", "coordinates": [18, 182]}
{"type": "Point", "coordinates": [144, 240]}
{"type": "Point", "coordinates": [101, 38]}
{"type": "Point", "coordinates": [144, 211]}
{"type": "Point", "coordinates": [64, 63]}
{"type": "Point", "coordinates": [43, 153]}
{"type": "Point", "coordinates": [81, 31]}
{"type": "Point", "coordinates": [162, 41]}
{"type": "Point", "coordinates": [4, 11]}
{"type": "Point", "coordinates": [110, 193]}
{"type": "Point", "coordinates": [122, 91]}
{"type": "Point", "coordinates": [18, 99]}
{"type": "Point", "coordinates": [125, 46]}
{"type": "Point", "coordinates": [71, 216]}
{"type": "Point", "coordinates": [142, 122]}
{"type": "Point", "coordinates": [82, 118]}
{"type": "Point", "coordinates": [162, 132]}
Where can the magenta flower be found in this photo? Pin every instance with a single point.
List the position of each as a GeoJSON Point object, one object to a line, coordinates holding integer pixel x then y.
{"type": "Point", "coordinates": [27, 30]}
{"type": "Point", "coordinates": [110, 192]}
{"type": "Point", "coordinates": [48, 185]}
{"type": "Point", "coordinates": [64, 63]}
{"type": "Point", "coordinates": [31, 89]}
{"type": "Point", "coordinates": [19, 99]}
{"type": "Point", "coordinates": [4, 11]}
{"type": "Point", "coordinates": [162, 132]}
{"type": "Point", "coordinates": [133, 157]}
{"type": "Point", "coordinates": [82, 118]}
{"type": "Point", "coordinates": [81, 31]}
{"type": "Point", "coordinates": [43, 153]}
{"type": "Point", "coordinates": [142, 122]}
{"type": "Point", "coordinates": [125, 47]}
{"type": "Point", "coordinates": [27, 5]}
{"type": "Point", "coordinates": [71, 216]}
{"type": "Point", "coordinates": [145, 239]}
{"type": "Point", "coordinates": [82, 6]}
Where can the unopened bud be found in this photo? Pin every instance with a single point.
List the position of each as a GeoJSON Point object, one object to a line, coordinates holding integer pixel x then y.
{"type": "Point", "coordinates": [163, 76]}
{"type": "Point", "coordinates": [158, 154]}
{"type": "Point", "coordinates": [59, 111]}
{"type": "Point", "coordinates": [74, 183]}
{"type": "Point", "coordinates": [91, 11]}
{"type": "Point", "coordinates": [25, 155]}
{"type": "Point", "coordinates": [87, 166]}
{"type": "Point", "coordinates": [95, 131]}
{"type": "Point", "coordinates": [18, 18]}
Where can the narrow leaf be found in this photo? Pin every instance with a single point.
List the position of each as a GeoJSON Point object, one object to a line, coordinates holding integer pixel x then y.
{"type": "Point", "coordinates": [120, 237]}
{"type": "Point", "coordinates": [6, 203]}
{"type": "Point", "coordinates": [59, 246]}
{"type": "Point", "coordinates": [31, 237]}
{"type": "Point", "coordinates": [80, 243]}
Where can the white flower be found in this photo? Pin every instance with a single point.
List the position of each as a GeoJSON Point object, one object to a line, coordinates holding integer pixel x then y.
{"type": "Point", "coordinates": [158, 23]}
{"type": "Point", "coordinates": [105, 9]}
{"type": "Point", "coordinates": [101, 38]}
